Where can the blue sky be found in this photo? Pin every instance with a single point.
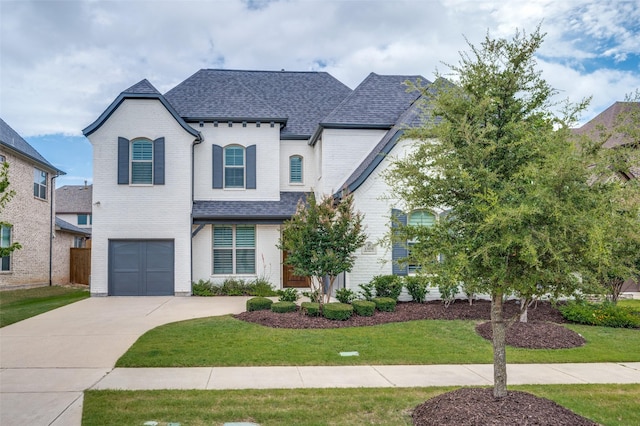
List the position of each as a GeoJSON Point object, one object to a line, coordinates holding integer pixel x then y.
{"type": "Point", "coordinates": [63, 62]}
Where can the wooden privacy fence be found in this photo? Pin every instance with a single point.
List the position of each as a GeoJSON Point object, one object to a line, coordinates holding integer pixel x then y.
{"type": "Point", "coordinates": [80, 268]}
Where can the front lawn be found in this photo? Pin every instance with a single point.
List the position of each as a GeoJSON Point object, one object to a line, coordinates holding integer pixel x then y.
{"type": "Point", "coordinates": [605, 404]}
{"type": "Point", "coordinates": [226, 341]}
{"type": "Point", "coordinates": [17, 305]}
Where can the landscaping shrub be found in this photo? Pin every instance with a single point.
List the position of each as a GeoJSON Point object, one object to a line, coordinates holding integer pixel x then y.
{"type": "Point", "coordinates": [234, 287]}
{"type": "Point", "coordinates": [289, 295]}
{"type": "Point", "coordinates": [258, 304]}
{"type": "Point", "coordinates": [367, 291]}
{"type": "Point", "coordinates": [261, 287]}
{"type": "Point", "coordinates": [385, 304]}
{"type": "Point", "coordinates": [311, 309]}
{"type": "Point", "coordinates": [337, 311]}
{"type": "Point", "coordinates": [364, 308]}
{"type": "Point", "coordinates": [601, 314]}
{"type": "Point", "coordinates": [282, 307]}
{"type": "Point", "coordinates": [417, 287]}
{"type": "Point", "coordinates": [314, 296]}
{"type": "Point", "coordinates": [346, 295]}
{"type": "Point", "coordinates": [202, 288]}
{"type": "Point", "coordinates": [387, 286]}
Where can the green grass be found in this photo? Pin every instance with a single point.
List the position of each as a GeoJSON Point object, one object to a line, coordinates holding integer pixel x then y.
{"type": "Point", "coordinates": [225, 341]}
{"type": "Point", "coordinates": [605, 404]}
{"type": "Point", "coordinates": [17, 305]}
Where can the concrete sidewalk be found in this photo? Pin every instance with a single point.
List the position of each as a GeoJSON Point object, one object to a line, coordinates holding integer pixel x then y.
{"type": "Point", "coordinates": [48, 361]}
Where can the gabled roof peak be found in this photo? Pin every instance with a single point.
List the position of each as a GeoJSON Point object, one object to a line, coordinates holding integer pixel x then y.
{"type": "Point", "coordinates": [143, 86]}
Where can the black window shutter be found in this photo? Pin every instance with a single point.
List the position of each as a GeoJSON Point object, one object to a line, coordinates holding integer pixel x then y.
{"type": "Point", "coordinates": [251, 167]}
{"type": "Point", "coordinates": [398, 250]}
{"type": "Point", "coordinates": [123, 161]}
{"type": "Point", "coordinates": [158, 161]}
{"type": "Point", "coordinates": [218, 166]}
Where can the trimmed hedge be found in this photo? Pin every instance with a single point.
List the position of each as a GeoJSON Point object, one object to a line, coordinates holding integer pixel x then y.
{"type": "Point", "coordinates": [387, 286]}
{"type": "Point", "coordinates": [310, 308]}
{"type": "Point", "coordinates": [385, 304]}
{"type": "Point", "coordinates": [364, 308]}
{"type": "Point", "coordinates": [259, 304]}
{"type": "Point", "coordinates": [282, 307]}
{"type": "Point", "coordinates": [604, 314]}
{"type": "Point", "coordinates": [337, 311]}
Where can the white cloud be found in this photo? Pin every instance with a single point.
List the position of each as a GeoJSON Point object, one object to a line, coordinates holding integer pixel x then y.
{"type": "Point", "coordinates": [64, 61]}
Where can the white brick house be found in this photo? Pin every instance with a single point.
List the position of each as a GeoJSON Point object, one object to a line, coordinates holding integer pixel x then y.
{"type": "Point", "coordinates": [195, 184]}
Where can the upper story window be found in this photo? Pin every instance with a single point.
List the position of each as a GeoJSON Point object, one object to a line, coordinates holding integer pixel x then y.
{"type": "Point", "coordinates": [3, 158]}
{"type": "Point", "coordinates": [40, 183]}
{"type": "Point", "coordinates": [234, 161]}
{"type": "Point", "coordinates": [84, 219]}
{"type": "Point", "coordinates": [141, 162]}
{"type": "Point", "coordinates": [295, 169]}
{"type": "Point", "coordinates": [5, 241]}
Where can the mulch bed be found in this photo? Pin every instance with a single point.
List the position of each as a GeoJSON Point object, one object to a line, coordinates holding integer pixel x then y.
{"type": "Point", "coordinates": [467, 406]}
{"type": "Point", "coordinates": [478, 407]}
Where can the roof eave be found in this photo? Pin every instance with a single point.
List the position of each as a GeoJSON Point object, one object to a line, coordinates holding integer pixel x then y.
{"type": "Point", "coordinates": [50, 167]}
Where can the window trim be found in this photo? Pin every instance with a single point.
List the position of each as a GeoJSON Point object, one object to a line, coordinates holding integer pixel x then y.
{"type": "Point", "coordinates": [301, 159]}
{"type": "Point", "coordinates": [9, 257]}
{"type": "Point", "coordinates": [234, 250]}
{"type": "Point", "coordinates": [132, 161]}
{"type": "Point", "coordinates": [38, 185]}
{"type": "Point", "coordinates": [88, 220]}
{"type": "Point", "coordinates": [243, 167]}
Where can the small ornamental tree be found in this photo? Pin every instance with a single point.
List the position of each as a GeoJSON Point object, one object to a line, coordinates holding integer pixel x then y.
{"type": "Point", "coordinates": [6, 194]}
{"type": "Point", "coordinates": [320, 240]}
{"type": "Point", "coordinates": [522, 210]}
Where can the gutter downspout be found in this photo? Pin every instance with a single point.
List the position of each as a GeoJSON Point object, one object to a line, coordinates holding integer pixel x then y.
{"type": "Point", "coordinates": [197, 141]}
{"type": "Point", "coordinates": [51, 229]}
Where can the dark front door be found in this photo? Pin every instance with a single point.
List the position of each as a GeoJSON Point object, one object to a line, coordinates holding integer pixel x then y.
{"type": "Point", "coordinates": [141, 268]}
{"type": "Point", "coordinates": [291, 280]}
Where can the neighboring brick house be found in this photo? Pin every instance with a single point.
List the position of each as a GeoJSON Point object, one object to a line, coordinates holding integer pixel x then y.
{"type": "Point", "coordinates": [67, 237]}
{"type": "Point", "coordinates": [30, 212]}
{"type": "Point", "coordinates": [195, 184]}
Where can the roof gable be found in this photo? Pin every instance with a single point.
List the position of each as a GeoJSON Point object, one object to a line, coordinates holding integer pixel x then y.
{"type": "Point", "coordinates": [607, 121]}
{"type": "Point", "coordinates": [298, 100]}
{"type": "Point", "coordinates": [11, 139]}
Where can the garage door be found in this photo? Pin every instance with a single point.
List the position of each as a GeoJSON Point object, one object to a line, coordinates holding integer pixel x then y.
{"type": "Point", "coordinates": [141, 268]}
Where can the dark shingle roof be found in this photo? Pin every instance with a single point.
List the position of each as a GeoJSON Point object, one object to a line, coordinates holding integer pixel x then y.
{"type": "Point", "coordinates": [11, 139]}
{"type": "Point", "coordinates": [300, 99]}
{"type": "Point", "coordinates": [378, 100]}
{"type": "Point", "coordinates": [66, 226]}
{"type": "Point", "coordinates": [606, 121]}
{"type": "Point", "coordinates": [247, 211]}
{"type": "Point", "coordinates": [143, 86]}
{"type": "Point", "coordinates": [74, 199]}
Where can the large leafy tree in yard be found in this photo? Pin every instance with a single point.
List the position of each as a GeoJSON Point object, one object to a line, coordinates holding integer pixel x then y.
{"type": "Point", "coordinates": [5, 195]}
{"type": "Point", "coordinates": [321, 239]}
{"type": "Point", "coordinates": [517, 186]}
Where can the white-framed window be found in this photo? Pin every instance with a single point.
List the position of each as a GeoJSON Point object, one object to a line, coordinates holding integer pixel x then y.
{"type": "Point", "coordinates": [295, 169]}
{"type": "Point", "coordinates": [234, 162]}
{"type": "Point", "coordinates": [3, 158]}
{"type": "Point", "coordinates": [5, 241]}
{"type": "Point", "coordinates": [40, 183]}
{"type": "Point", "coordinates": [418, 218]}
{"type": "Point", "coordinates": [78, 242]}
{"type": "Point", "coordinates": [85, 219]}
{"type": "Point", "coordinates": [141, 162]}
{"type": "Point", "coordinates": [234, 249]}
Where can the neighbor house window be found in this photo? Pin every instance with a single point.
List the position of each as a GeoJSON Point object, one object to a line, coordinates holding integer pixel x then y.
{"type": "Point", "coordinates": [295, 169]}
{"type": "Point", "coordinates": [234, 167]}
{"type": "Point", "coordinates": [78, 242]}
{"type": "Point", "coordinates": [3, 158]}
{"type": "Point", "coordinates": [5, 241]}
{"type": "Point", "coordinates": [142, 162]}
{"type": "Point", "coordinates": [418, 218]}
{"type": "Point", "coordinates": [84, 219]}
{"type": "Point", "coordinates": [234, 249]}
{"type": "Point", "coordinates": [40, 184]}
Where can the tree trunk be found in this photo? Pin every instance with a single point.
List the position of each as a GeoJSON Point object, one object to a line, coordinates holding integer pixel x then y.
{"type": "Point", "coordinates": [499, 347]}
{"type": "Point", "coordinates": [524, 310]}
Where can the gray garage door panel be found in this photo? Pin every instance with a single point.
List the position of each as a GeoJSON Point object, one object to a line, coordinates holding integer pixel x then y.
{"type": "Point", "coordinates": [141, 267]}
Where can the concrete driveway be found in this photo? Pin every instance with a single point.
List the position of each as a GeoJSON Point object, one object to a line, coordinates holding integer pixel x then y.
{"type": "Point", "coordinates": [46, 362]}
